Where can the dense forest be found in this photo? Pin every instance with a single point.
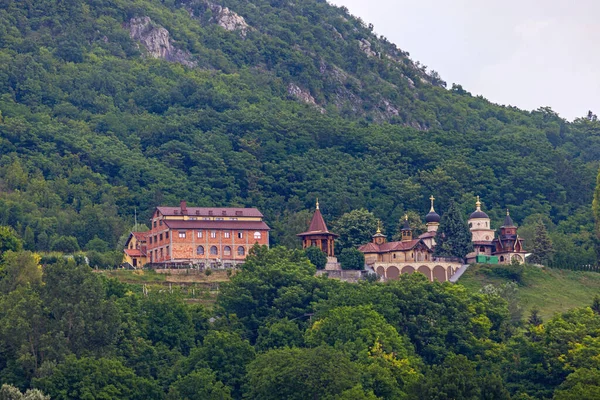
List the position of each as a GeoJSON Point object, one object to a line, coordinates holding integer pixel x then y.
{"type": "Point", "coordinates": [279, 332]}
{"type": "Point", "coordinates": [267, 104]}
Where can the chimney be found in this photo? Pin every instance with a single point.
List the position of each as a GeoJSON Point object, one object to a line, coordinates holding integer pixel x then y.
{"type": "Point", "coordinates": [183, 207]}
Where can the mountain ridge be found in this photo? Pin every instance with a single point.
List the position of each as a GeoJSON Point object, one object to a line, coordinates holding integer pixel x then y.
{"type": "Point", "coordinates": [92, 127]}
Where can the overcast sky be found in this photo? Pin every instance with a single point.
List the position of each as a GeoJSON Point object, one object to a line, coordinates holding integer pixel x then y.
{"type": "Point", "coordinates": [527, 53]}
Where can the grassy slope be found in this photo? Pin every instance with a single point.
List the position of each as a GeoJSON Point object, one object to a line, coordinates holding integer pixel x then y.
{"type": "Point", "coordinates": [551, 290]}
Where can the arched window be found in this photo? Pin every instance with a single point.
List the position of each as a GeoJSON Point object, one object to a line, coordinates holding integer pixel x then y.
{"type": "Point", "coordinates": [482, 249]}
{"type": "Point", "coordinates": [214, 251]}
{"type": "Point", "coordinates": [257, 235]}
{"type": "Point", "coordinates": [241, 251]}
{"type": "Point", "coordinates": [470, 224]}
{"type": "Point", "coordinates": [501, 258]}
{"type": "Point", "coordinates": [226, 251]}
{"type": "Point", "coordinates": [200, 250]}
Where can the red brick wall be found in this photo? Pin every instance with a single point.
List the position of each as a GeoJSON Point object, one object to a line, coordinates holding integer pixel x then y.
{"type": "Point", "coordinates": [186, 248]}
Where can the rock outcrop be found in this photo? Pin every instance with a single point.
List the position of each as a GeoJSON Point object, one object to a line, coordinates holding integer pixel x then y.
{"type": "Point", "coordinates": [157, 41]}
{"type": "Point", "coordinates": [228, 19]}
{"type": "Point", "coordinates": [222, 16]}
{"type": "Point", "coordinates": [303, 95]}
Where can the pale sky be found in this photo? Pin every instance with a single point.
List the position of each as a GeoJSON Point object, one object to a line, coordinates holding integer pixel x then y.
{"type": "Point", "coordinates": [527, 53]}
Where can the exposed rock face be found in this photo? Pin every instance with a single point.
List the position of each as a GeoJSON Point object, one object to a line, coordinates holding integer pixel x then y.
{"type": "Point", "coordinates": [303, 95]}
{"type": "Point", "coordinates": [229, 20]}
{"type": "Point", "coordinates": [156, 40]}
{"type": "Point", "coordinates": [365, 46]}
{"type": "Point", "coordinates": [221, 16]}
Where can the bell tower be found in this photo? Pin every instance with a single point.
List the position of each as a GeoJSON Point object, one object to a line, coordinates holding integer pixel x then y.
{"type": "Point", "coordinates": [379, 238]}
{"type": "Point", "coordinates": [406, 231]}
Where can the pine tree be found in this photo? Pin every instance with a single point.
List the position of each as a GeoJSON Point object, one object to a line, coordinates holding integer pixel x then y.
{"type": "Point", "coordinates": [596, 304]}
{"type": "Point", "coordinates": [453, 238]}
{"type": "Point", "coordinates": [534, 317]}
{"type": "Point", "coordinates": [542, 249]}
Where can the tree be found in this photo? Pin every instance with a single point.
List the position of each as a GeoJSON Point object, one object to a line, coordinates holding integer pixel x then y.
{"type": "Point", "coordinates": [9, 240]}
{"type": "Point", "coordinates": [89, 378]}
{"type": "Point", "coordinates": [298, 374]}
{"type": "Point", "coordinates": [542, 249]}
{"type": "Point", "coordinates": [414, 221]}
{"type": "Point", "coordinates": [453, 237]}
{"type": "Point", "coordinates": [596, 304]}
{"type": "Point", "coordinates": [596, 212]}
{"type": "Point", "coordinates": [225, 353]}
{"type": "Point", "coordinates": [201, 384]}
{"type": "Point", "coordinates": [316, 256]}
{"type": "Point", "coordinates": [19, 269]}
{"type": "Point", "coordinates": [583, 384]}
{"type": "Point", "coordinates": [65, 244]}
{"type": "Point", "coordinates": [355, 228]}
{"type": "Point", "coordinates": [9, 392]}
{"type": "Point", "coordinates": [534, 317]}
{"type": "Point", "coordinates": [352, 259]}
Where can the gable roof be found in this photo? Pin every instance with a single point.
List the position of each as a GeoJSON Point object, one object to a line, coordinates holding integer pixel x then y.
{"type": "Point", "coordinates": [317, 226]}
{"type": "Point", "coordinates": [391, 246]}
{"type": "Point", "coordinates": [210, 211]}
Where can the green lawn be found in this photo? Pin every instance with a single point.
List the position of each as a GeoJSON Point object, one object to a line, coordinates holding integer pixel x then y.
{"type": "Point", "coordinates": [551, 290]}
{"type": "Point", "coordinates": [137, 276]}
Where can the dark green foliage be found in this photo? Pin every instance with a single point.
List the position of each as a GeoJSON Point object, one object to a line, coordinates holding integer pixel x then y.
{"type": "Point", "coordinates": [352, 258]}
{"type": "Point", "coordinates": [453, 238]}
{"type": "Point", "coordinates": [355, 228]}
{"type": "Point", "coordinates": [541, 248]}
{"type": "Point", "coordinates": [596, 305]}
{"type": "Point", "coordinates": [513, 271]}
{"type": "Point", "coordinates": [301, 374]}
{"type": "Point", "coordinates": [201, 384]}
{"type": "Point", "coordinates": [94, 378]}
{"type": "Point", "coordinates": [534, 317]}
{"type": "Point", "coordinates": [65, 244]}
{"type": "Point", "coordinates": [316, 256]}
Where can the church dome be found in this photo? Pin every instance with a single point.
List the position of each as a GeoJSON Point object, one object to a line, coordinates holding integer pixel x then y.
{"type": "Point", "coordinates": [432, 217]}
{"type": "Point", "coordinates": [478, 213]}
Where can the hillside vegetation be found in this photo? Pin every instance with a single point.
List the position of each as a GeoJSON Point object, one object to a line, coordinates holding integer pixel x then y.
{"type": "Point", "coordinates": [549, 290]}
{"type": "Point", "coordinates": [294, 100]}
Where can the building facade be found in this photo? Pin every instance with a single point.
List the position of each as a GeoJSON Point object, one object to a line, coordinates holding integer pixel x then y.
{"type": "Point", "coordinates": [135, 252]}
{"type": "Point", "coordinates": [204, 237]}
{"type": "Point", "coordinates": [390, 259]}
{"type": "Point", "coordinates": [319, 236]}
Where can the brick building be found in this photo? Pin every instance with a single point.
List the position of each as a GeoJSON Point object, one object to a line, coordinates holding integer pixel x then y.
{"type": "Point", "coordinates": [204, 236]}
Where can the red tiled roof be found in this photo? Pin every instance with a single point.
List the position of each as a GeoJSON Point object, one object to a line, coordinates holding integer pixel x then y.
{"type": "Point", "coordinates": [317, 225]}
{"type": "Point", "coordinates": [201, 224]}
{"type": "Point", "coordinates": [140, 236]}
{"type": "Point", "coordinates": [389, 246]}
{"type": "Point", "coordinates": [134, 252]}
{"type": "Point", "coordinates": [211, 211]}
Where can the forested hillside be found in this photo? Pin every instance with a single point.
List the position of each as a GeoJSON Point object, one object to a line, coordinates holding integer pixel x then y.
{"type": "Point", "coordinates": [279, 332]}
{"type": "Point", "coordinates": [110, 105]}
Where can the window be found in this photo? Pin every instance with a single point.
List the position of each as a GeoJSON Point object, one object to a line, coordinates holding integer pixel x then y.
{"type": "Point", "coordinates": [161, 237]}
{"type": "Point", "coordinates": [482, 249]}
{"type": "Point", "coordinates": [166, 235]}
{"type": "Point", "coordinates": [182, 234]}
{"type": "Point", "coordinates": [240, 235]}
{"type": "Point", "coordinates": [470, 224]}
{"type": "Point", "coordinates": [200, 250]}
{"type": "Point", "coordinates": [257, 235]}
{"type": "Point", "coordinates": [199, 234]}
{"type": "Point", "coordinates": [241, 251]}
{"type": "Point", "coordinates": [155, 224]}
{"type": "Point", "coordinates": [214, 251]}
{"type": "Point", "coordinates": [227, 235]}
{"type": "Point", "coordinates": [161, 253]}
{"type": "Point", "coordinates": [168, 252]}
{"type": "Point", "coordinates": [213, 234]}
{"type": "Point", "coordinates": [150, 239]}
{"type": "Point", "coordinates": [160, 222]}
{"type": "Point", "coordinates": [219, 219]}
{"type": "Point", "coordinates": [227, 251]}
